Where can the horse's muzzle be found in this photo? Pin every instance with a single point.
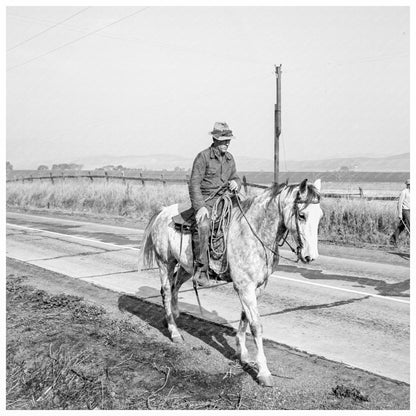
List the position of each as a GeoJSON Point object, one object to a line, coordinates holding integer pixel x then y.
{"type": "Point", "coordinates": [306, 259]}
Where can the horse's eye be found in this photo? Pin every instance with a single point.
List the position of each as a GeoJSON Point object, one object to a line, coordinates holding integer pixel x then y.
{"type": "Point", "coordinates": [302, 217]}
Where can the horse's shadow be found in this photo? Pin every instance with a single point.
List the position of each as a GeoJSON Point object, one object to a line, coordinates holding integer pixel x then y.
{"type": "Point", "coordinates": [219, 335]}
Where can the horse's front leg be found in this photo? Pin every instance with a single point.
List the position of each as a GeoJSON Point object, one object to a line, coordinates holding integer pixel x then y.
{"type": "Point", "coordinates": [166, 277]}
{"type": "Point", "coordinates": [242, 351]}
{"type": "Point", "coordinates": [249, 302]}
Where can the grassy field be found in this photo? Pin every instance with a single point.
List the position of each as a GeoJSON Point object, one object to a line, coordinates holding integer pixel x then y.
{"type": "Point", "coordinates": [134, 201]}
{"type": "Point", "coordinates": [351, 222]}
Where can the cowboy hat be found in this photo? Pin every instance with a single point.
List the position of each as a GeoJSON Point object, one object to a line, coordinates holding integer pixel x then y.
{"type": "Point", "coordinates": [221, 131]}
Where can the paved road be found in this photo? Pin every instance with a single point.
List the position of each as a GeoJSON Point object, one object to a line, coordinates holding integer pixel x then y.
{"type": "Point", "coordinates": [355, 312]}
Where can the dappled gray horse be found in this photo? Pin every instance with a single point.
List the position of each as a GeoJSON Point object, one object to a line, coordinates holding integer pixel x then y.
{"type": "Point", "coordinates": [256, 228]}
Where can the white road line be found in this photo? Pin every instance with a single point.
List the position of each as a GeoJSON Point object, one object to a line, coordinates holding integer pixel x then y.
{"type": "Point", "coordinates": [73, 236]}
{"type": "Point", "coordinates": [274, 274]}
{"type": "Point", "coordinates": [59, 220]}
{"type": "Point", "coordinates": [344, 290]}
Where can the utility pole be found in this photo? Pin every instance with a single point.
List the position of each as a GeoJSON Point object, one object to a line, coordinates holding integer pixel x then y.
{"type": "Point", "coordinates": [277, 122]}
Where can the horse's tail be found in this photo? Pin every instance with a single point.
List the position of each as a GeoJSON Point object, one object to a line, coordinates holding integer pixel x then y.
{"type": "Point", "coordinates": [148, 250]}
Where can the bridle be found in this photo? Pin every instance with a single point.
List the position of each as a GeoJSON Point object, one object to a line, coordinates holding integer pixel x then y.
{"type": "Point", "coordinates": [280, 241]}
{"type": "Point", "coordinates": [296, 213]}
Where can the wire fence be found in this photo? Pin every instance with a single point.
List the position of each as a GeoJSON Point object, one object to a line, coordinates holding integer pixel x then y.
{"type": "Point", "coordinates": [169, 179]}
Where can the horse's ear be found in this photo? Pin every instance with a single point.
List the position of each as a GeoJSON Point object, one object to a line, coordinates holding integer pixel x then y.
{"type": "Point", "coordinates": [303, 186]}
{"type": "Point", "coordinates": [317, 185]}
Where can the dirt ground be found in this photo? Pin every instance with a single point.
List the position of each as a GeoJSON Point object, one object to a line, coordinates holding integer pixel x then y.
{"type": "Point", "coordinates": [72, 345]}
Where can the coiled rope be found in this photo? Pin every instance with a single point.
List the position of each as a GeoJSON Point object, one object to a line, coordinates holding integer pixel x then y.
{"type": "Point", "coordinates": [220, 221]}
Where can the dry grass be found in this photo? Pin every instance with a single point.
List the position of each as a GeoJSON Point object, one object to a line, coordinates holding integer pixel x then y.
{"type": "Point", "coordinates": [351, 221]}
{"type": "Point", "coordinates": [135, 201]}
{"type": "Point", "coordinates": [344, 221]}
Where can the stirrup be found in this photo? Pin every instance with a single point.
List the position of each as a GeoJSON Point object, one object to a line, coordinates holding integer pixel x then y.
{"type": "Point", "coordinates": [203, 282]}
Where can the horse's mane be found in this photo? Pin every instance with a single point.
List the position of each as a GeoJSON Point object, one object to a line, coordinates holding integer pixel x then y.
{"type": "Point", "coordinates": [269, 194]}
{"type": "Point", "coordinates": [274, 190]}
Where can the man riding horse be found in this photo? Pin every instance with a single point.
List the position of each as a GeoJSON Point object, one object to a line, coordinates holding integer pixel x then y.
{"type": "Point", "coordinates": [213, 173]}
{"type": "Point", "coordinates": [252, 243]}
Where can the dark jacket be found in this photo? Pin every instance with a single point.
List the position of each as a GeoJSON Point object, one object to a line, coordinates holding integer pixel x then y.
{"type": "Point", "coordinates": [209, 173]}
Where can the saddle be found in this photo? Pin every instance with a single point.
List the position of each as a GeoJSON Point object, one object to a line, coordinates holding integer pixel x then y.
{"type": "Point", "coordinates": [185, 221]}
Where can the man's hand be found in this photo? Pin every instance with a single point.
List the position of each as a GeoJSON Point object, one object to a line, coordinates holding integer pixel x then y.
{"type": "Point", "coordinates": [201, 213]}
{"type": "Point", "coordinates": [232, 185]}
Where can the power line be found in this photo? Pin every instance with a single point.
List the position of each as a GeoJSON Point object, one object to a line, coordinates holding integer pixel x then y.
{"type": "Point", "coordinates": [76, 40]}
{"type": "Point", "coordinates": [329, 65]}
{"type": "Point", "coordinates": [161, 44]}
{"type": "Point", "coordinates": [47, 29]}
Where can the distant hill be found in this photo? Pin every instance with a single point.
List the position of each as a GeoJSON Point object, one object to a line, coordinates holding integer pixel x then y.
{"type": "Point", "coordinates": [148, 162]}
{"type": "Point", "coordinates": [395, 163]}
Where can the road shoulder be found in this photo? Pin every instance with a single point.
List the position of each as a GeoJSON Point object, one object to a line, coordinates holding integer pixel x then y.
{"type": "Point", "coordinates": [302, 381]}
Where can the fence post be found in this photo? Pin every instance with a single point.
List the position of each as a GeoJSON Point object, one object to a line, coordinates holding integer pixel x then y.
{"type": "Point", "coordinates": [50, 174]}
{"type": "Point", "coordinates": [245, 184]}
{"type": "Point", "coordinates": [31, 178]}
{"type": "Point", "coordinates": [361, 192]}
{"type": "Point", "coordinates": [141, 176]}
{"type": "Point", "coordinates": [63, 176]}
{"type": "Point", "coordinates": [106, 176]}
{"type": "Point", "coordinates": [187, 178]}
{"type": "Point", "coordinates": [124, 179]}
{"type": "Point", "coordinates": [163, 180]}
{"type": "Point", "coordinates": [89, 174]}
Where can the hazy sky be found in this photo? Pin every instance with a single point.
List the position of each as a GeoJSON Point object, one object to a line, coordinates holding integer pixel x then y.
{"type": "Point", "coordinates": [157, 80]}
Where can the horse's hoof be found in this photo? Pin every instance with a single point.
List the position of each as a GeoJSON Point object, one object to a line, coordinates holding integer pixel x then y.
{"type": "Point", "coordinates": [265, 381]}
{"type": "Point", "coordinates": [178, 339]}
{"type": "Point", "coordinates": [244, 360]}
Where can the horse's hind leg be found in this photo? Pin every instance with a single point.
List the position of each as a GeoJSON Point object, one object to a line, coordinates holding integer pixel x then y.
{"type": "Point", "coordinates": [166, 275]}
{"type": "Point", "coordinates": [249, 302]}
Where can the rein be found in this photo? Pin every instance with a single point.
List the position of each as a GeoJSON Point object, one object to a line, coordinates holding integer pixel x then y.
{"type": "Point", "coordinates": [254, 232]}
{"type": "Point", "coordinates": [283, 240]}
{"type": "Point", "coordinates": [264, 245]}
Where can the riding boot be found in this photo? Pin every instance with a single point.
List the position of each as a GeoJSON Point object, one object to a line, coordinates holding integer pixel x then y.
{"type": "Point", "coordinates": [200, 246]}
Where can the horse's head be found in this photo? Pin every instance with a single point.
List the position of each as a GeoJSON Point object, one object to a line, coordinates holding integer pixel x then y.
{"type": "Point", "coordinates": [300, 206]}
